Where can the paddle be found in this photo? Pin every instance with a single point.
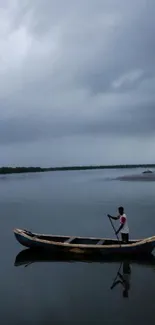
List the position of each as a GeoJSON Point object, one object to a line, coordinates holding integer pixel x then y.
{"type": "Point", "coordinates": [28, 264]}
{"type": "Point", "coordinates": [114, 229]}
{"type": "Point", "coordinates": [113, 285]}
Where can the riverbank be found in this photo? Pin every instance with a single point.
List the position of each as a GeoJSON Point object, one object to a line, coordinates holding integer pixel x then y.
{"type": "Point", "coordinates": [17, 170]}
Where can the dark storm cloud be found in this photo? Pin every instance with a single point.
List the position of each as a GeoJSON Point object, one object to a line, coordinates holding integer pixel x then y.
{"type": "Point", "coordinates": [77, 68]}
{"type": "Point", "coordinates": [105, 39]}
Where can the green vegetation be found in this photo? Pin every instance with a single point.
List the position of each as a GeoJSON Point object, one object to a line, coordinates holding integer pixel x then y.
{"type": "Point", "coordinates": [13, 170]}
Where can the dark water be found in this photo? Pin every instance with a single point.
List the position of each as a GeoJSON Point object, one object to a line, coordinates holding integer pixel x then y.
{"type": "Point", "coordinates": [74, 203]}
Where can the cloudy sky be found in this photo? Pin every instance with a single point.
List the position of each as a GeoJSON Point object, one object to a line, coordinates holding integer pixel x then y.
{"type": "Point", "coordinates": [77, 82]}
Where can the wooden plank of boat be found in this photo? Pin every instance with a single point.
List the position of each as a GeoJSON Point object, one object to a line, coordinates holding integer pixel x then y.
{"type": "Point", "coordinates": [84, 245]}
{"type": "Point", "coordinates": [69, 240]}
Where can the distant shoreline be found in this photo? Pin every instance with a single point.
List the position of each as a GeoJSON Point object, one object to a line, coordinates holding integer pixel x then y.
{"type": "Point", "coordinates": [19, 170]}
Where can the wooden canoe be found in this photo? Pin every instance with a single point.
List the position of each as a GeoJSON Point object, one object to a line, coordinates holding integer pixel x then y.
{"type": "Point", "coordinates": [83, 245]}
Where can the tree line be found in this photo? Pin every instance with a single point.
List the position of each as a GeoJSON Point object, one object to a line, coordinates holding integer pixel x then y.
{"type": "Point", "coordinates": [13, 170]}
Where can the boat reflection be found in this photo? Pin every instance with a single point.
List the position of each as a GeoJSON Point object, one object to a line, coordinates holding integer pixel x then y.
{"type": "Point", "coordinates": [29, 256]}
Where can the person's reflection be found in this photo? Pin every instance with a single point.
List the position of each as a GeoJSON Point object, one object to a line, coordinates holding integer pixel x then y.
{"type": "Point", "coordinates": [124, 278]}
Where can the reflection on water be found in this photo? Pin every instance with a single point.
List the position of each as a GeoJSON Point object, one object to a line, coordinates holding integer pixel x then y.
{"type": "Point", "coordinates": [64, 289]}
{"type": "Point", "coordinates": [123, 275]}
{"type": "Point", "coordinates": [123, 278]}
{"type": "Point", "coordinates": [32, 255]}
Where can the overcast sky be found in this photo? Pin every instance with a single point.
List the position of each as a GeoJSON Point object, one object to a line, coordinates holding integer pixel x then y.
{"type": "Point", "coordinates": [77, 82]}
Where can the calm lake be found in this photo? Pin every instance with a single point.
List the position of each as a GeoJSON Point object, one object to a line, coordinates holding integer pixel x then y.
{"type": "Point", "coordinates": [74, 203]}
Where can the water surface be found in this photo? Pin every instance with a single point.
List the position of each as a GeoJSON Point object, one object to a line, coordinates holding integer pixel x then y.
{"type": "Point", "coordinates": [74, 203]}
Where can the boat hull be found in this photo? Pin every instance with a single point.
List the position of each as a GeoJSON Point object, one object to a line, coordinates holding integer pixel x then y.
{"type": "Point", "coordinates": [35, 241]}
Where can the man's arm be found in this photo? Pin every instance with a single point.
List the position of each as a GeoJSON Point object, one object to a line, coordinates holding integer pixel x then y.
{"type": "Point", "coordinates": [114, 218]}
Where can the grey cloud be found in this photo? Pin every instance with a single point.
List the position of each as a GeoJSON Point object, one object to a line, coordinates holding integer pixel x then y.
{"type": "Point", "coordinates": [102, 52]}
{"type": "Point", "coordinates": [135, 122]}
{"type": "Point", "coordinates": [25, 130]}
{"type": "Point", "coordinates": [17, 130]}
{"type": "Point", "coordinates": [87, 68]}
{"type": "Point", "coordinates": [127, 122]}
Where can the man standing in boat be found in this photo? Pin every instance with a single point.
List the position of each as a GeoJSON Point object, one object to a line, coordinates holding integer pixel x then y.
{"type": "Point", "coordinates": [124, 229]}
